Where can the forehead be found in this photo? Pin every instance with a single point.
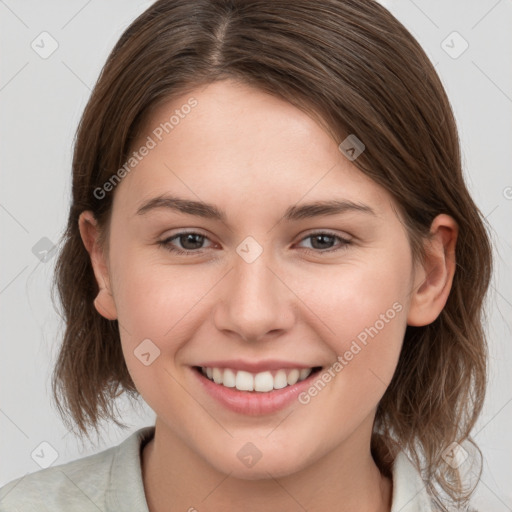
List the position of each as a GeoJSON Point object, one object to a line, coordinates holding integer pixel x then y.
{"type": "Point", "coordinates": [233, 142]}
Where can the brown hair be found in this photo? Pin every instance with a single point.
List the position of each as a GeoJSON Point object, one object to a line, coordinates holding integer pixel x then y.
{"type": "Point", "coordinates": [357, 69]}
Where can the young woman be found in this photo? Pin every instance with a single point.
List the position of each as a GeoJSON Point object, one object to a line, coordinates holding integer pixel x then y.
{"type": "Point", "coordinates": [271, 242]}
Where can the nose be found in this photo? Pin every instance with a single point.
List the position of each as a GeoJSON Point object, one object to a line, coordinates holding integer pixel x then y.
{"type": "Point", "coordinates": [256, 303]}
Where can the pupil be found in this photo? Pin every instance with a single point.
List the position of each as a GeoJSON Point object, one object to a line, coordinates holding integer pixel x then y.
{"type": "Point", "coordinates": [321, 237]}
{"type": "Point", "coordinates": [190, 237]}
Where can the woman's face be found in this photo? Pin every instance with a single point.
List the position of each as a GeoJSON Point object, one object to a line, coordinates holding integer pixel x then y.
{"type": "Point", "coordinates": [268, 285]}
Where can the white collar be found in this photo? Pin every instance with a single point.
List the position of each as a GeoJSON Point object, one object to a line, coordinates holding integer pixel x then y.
{"type": "Point", "coordinates": [409, 490]}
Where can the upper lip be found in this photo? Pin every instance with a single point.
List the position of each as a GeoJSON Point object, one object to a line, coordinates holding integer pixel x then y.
{"type": "Point", "coordinates": [255, 366]}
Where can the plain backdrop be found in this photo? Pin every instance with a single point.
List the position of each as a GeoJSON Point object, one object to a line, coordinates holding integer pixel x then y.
{"type": "Point", "coordinates": [42, 100]}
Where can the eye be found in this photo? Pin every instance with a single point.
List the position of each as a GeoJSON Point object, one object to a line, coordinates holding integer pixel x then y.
{"type": "Point", "coordinates": [189, 240]}
{"type": "Point", "coordinates": [322, 238]}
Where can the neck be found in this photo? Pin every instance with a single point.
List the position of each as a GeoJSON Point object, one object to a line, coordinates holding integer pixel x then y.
{"type": "Point", "coordinates": [344, 480]}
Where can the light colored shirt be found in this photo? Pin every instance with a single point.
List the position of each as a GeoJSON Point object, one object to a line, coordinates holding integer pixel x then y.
{"type": "Point", "coordinates": [111, 481]}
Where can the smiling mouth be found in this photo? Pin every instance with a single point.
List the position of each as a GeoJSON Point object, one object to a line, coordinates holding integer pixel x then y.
{"type": "Point", "coordinates": [262, 382]}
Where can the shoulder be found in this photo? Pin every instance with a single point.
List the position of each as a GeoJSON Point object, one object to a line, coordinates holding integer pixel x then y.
{"type": "Point", "coordinates": [89, 483]}
{"type": "Point", "coordinates": [60, 487]}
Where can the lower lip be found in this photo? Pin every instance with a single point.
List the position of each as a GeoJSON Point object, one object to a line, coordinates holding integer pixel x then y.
{"type": "Point", "coordinates": [253, 403]}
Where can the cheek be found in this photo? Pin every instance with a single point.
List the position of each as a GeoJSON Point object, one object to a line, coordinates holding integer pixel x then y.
{"type": "Point", "coordinates": [371, 310]}
{"type": "Point", "coordinates": [365, 316]}
{"type": "Point", "coordinates": [153, 299]}
{"type": "Point", "coordinates": [155, 305]}
{"type": "Point", "coordinates": [362, 308]}
{"type": "Point", "coordinates": [160, 309]}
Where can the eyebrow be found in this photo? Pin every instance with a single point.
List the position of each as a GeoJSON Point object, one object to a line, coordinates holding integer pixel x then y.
{"type": "Point", "coordinates": [293, 213]}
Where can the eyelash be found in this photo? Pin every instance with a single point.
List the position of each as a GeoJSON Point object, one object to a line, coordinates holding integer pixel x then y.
{"type": "Point", "coordinates": [166, 244]}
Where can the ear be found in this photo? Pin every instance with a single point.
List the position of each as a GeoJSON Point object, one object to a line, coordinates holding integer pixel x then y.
{"type": "Point", "coordinates": [433, 280]}
{"type": "Point", "coordinates": [89, 231]}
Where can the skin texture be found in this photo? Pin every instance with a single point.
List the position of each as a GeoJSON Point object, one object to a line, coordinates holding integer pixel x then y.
{"type": "Point", "coordinates": [253, 156]}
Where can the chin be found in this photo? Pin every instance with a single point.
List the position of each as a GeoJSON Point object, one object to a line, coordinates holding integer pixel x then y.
{"type": "Point", "coordinates": [277, 465]}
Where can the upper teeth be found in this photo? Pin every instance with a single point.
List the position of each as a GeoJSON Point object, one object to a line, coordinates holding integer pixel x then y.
{"type": "Point", "coordinates": [263, 381]}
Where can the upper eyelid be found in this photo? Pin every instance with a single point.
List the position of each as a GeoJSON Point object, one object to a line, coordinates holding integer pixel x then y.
{"type": "Point", "coordinates": [185, 232]}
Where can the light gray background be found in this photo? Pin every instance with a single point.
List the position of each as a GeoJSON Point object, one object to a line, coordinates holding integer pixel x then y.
{"type": "Point", "coordinates": [41, 102]}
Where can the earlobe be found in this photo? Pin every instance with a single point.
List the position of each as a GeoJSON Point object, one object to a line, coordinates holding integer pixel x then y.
{"type": "Point", "coordinates": [89, 231]}
{"type": "Point", "coordinates": [433, 280]}
{"type": "Point", "coordinates": [105, 306]}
